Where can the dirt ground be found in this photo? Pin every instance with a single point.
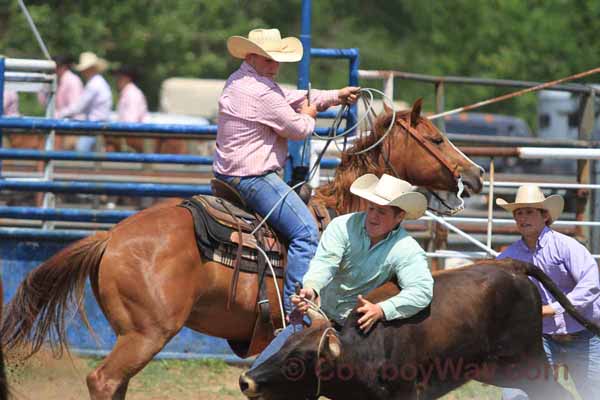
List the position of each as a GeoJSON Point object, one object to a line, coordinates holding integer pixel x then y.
{"type": "Point", "coordinates": [44, 377]}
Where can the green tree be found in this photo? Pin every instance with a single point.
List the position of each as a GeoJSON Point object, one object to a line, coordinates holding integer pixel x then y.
{"type": "Point", "coordinates": [510, 39]}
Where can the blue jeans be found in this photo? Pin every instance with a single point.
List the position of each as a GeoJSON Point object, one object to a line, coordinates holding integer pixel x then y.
{"type": "Point", "coordinates": [291, 219]}
{"type": "Point", "coordinates": [85, 143]}
{"type": "Point", "coordinates": [276, 344]}
{"type": "Point", "coordinates": [581, 358]}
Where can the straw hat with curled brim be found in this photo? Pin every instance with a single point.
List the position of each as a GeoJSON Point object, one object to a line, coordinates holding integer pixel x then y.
{"type": "Point", "coordinates": [532, 196]}
{"type": "Point", "coordinates": [390, 191]}
{"type": "Point", "coordinates": [88, 59]}
{"type": "Point", "coordinates": [267, 43]}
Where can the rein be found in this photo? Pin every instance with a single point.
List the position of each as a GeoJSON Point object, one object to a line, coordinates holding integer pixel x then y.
{"type": "Point", "coordinates": [453, 169]}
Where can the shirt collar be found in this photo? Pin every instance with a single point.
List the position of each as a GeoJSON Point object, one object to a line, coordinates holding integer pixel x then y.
{"type": "Point", "coordinates": [245, 67]}
{"type": "Point", "coordinates": [249, 69]}
{"type": "Point", "coordinates": [541, 241]}
{"type": "Point", "coordinates": [127, 87]}
{"type": "Point", "coordinates": [544, 237]}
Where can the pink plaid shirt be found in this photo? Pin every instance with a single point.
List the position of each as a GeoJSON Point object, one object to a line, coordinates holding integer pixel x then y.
{"type": "Point", "coordinates": [256, 119]}
{"type": "Point", "coordinates": [69, 89]}
{"type": "Point", "coordinates": [132, 106]}
{"type": "Point", "coordinates": [10, 104]}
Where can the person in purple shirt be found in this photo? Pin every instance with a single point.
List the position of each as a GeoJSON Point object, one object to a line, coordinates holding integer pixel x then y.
{"type": "Point", "coordinates": [96, 100]}
{"type": "Point", "coordinates": [571, 266]}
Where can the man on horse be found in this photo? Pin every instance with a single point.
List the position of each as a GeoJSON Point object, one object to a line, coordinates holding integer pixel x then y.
{"type": "Point", "coordinates": [256, 118]}
{"type": "Point", "coordinates": [359, 252]}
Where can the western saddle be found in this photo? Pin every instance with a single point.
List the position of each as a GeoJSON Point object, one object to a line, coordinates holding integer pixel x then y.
{"type": "Point", "coordinates": [226, 233]}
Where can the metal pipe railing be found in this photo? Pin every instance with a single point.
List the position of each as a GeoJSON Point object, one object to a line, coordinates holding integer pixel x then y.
{"type": "Point", "coordinates": [129, 189]}
{"type": "Point", "coordinates": [72, 127]}
{"type": "Point", "coordinates": [22, 64]}
{"type": "Point", "coordinates": [461, 80]}
{"type": "Point", "coordinates": [24, 154]}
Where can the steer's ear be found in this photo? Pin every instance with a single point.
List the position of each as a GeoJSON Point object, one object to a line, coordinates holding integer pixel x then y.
{"type": "Point", "coordinates": [333, 346]}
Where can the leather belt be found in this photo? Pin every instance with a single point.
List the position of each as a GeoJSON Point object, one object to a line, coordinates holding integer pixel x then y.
{"type": "Point", "coordinates": [565, 338]}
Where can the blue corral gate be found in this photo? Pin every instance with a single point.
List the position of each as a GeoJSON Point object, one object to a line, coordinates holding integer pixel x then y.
{"type": "Point", "coordinates": [23, 249]}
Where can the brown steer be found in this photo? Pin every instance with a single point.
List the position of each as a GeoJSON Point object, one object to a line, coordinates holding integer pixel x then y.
{"type": "Point", "coordinates": [484, 323]}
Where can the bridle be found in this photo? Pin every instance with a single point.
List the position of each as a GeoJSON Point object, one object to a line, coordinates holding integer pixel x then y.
{"type": "Point", "coordinates": [453, 168]}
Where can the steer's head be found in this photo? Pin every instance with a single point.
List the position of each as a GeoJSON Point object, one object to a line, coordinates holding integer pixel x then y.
{"type": "Point", "coordinates": [291, 373]}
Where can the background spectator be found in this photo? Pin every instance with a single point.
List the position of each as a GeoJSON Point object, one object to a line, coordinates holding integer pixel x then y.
{"type": "Point", "coordinates": [96, 101]}
{"type": "Point", "coordinates": [132, 107]}
{"type": "Point", "coordinates": [68, 90]}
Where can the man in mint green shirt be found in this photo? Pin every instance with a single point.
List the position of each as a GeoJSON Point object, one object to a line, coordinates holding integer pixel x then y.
{"type": "Point", "coordinates": [359, 252]}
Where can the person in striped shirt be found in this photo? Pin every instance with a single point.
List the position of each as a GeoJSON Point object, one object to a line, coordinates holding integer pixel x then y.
{"type": "Point", "coordinates": [256, 118]}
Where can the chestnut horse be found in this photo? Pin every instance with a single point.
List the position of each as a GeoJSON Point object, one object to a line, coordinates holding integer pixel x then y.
{"type": "Point", "coordinates": [150, 279]}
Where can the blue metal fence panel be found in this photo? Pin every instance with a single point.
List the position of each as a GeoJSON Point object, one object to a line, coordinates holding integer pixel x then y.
{"type": "Point", "coordinates": [19, 257]}
{"type": "Point", "coordinates": [47, 124]}
{"type": "Point", "coordinates": [28, 154]}
{"type": "Point", "coordinates": [65, 214]}
{"type": "Point", "coordinates": [128, 189]}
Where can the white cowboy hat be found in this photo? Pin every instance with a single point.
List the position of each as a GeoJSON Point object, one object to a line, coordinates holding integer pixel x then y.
{"type": "Point", "coordinates": [532, 196]}
{"type": "Point", "coordinates": [88, 59]}
{"type": "Point", "coordinates": [267, 43]}
{"type": "Point", "coordinates": [390, 191]}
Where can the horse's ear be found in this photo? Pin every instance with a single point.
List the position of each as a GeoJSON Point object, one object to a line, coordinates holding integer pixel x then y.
{"type": "Point", "coordinates": [416, 112]}
{"type": "Point", "coordinates": [387, 108]}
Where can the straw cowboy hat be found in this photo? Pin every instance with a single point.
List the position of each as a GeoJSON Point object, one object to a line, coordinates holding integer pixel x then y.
{"type": "Point", "coordinates": [88, 59]}
{"type": "Point", "coordinates": [267, 43]}
{"type": "Point", "coordinates": [390, 191]}
{"type": "Point", "coordinates": [532, 196]}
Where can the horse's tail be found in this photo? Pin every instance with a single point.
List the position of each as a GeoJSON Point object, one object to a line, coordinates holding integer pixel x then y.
{"type": "Point", "coordinates": [43, 298]}
{"type": "Point", "coordinates": [537, 273]}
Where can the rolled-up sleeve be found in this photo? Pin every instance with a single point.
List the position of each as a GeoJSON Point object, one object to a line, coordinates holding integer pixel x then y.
{"type": "Point", "coordinates": [282, 118]}
{"type": "Point", "coordinates": [416, 282]}
{"type": "Point", "coordinates": [328, 257]}
{"type": "Point", "coordinates": [322, 98]}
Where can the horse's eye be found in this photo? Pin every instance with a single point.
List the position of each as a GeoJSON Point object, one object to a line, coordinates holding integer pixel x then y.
{"type": "Point", "coordinates": [437, 141]}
